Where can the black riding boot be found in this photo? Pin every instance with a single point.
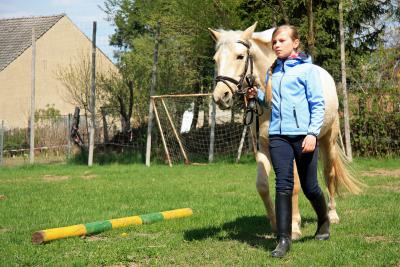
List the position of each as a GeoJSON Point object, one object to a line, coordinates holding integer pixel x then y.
{"type": "Point", "coordinates": [283, 207]}
{"type": "Point", "coordinates": [319, 205]}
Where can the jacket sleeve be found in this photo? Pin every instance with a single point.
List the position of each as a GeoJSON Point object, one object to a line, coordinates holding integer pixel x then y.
{"type": "Point", "coordinates": [316, 102]}
{"type": "Point", "coordinates": [261, 97]}
{"type": "Point", "coordinates": [261, 94]}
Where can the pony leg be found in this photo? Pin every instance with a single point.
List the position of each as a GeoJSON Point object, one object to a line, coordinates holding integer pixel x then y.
{"type": "Point", "coordinates": [263, 169]}
{"type": "Point", "coordinates": [330, 154]}
{"type": "Point", "coordinates": [296, 218]}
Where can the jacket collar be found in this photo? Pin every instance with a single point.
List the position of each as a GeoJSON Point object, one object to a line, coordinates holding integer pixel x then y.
{"type": "Point", "coordinates": [294, 60]}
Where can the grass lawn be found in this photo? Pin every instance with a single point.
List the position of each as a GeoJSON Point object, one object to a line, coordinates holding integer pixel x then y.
{"type": "Point", "coordinates": [228, 226]}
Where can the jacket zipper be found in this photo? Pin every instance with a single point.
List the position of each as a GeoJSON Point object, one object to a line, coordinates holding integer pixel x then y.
{"type": "Point", "coordinates": [295, 116]}
{"type": "Point", "coordinates": [280, 96]}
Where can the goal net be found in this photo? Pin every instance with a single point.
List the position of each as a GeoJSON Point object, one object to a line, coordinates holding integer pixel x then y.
{"type": "Point", "coordinates": [192, 129]}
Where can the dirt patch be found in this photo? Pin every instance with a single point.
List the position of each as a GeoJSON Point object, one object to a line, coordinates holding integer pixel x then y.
{"type": "Point", "coordinates": [3, 197]}
{"type": "Point", "coordinates": [389, 187]}
{"type": "Point", "coordinates": [54, 178]}
{"type": "Point", "coordinates": [87, 175]}
{"type": "Point", "coordinates": [4, 230]}
{"type": "Point", "coordinates": [17, 180]}
{"type": "Point", "coordinates": [380, 239]}
{"type": "Point", "coordinates": [382, 172]}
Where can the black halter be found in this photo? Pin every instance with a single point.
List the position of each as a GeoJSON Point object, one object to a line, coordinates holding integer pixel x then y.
{"type": "Point", "coordinates": [251, 109]}
{"type": "Point", "coordinates": [249, 77]}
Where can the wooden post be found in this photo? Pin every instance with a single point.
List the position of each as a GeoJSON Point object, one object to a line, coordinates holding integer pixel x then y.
{"type": "Point", "coordinates": [175, 133]}
{"type": "Point", "coordinates": [241, 143]}
{"type": "Point", "coordinates": [69, 125]}
{"type": "Point", "coordinates": [32, 117]}
{"type": "Point", "coordinates": [212, 133]}
{"type": "Point", "coordinates": [344, 84]}
{"type": "Point", "coordinates": [212, 128]}
{"type": "Point", "coordinates": [152, 90]}
{"type": "Point", "coordinates": [93, 97]}
{"type": "Point", "coordinates": [1, 142]}
{"type": "Point", "coordinates": [161, 132]}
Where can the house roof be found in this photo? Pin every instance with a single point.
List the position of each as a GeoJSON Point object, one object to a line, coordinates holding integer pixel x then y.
{"type": "Point", "coordinates": [16, 35]}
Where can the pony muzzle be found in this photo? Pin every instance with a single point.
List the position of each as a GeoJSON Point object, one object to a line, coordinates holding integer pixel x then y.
{"type": "Point", "coordinates": [222, 96]}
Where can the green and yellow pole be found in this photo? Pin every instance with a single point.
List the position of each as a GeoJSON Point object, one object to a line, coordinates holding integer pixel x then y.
{"type": "Point", "coordinates": [101, 226]}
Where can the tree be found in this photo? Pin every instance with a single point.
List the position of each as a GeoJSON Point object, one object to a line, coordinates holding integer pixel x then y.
{"type": "Point", "coordinates": [364, 25]}
{"type": "Point", "coordinates": [344, 84]}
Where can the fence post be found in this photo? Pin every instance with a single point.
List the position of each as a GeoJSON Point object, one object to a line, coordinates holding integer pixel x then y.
{"type": "Point", "coordinates": [1, 142]}
{"type": "Point", "coordinates": [212, 128]}
{"type": "Point", "coordinates": [152, 91]}
{"type": "Point", "coordinates": [212, 133]}
{"type": "Point", "coordinates": [32, 117]}
{"type": "Point", "coordinates": [93, 97]}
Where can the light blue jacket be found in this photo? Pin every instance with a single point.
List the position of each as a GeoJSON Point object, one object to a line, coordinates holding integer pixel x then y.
{"type": "Point", "coordinates": [298, 104]}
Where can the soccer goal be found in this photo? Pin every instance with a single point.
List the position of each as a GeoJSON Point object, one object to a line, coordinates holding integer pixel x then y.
{"type": "Point", "coordinates": [193, 130]}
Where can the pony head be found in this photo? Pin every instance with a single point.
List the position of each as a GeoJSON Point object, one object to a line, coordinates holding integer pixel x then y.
{"type": "Point", "coordinates": [232, 51]}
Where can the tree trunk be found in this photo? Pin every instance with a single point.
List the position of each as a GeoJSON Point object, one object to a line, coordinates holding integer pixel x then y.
{"type": "Point", "coordinates": [196, 109]}
{"type": "Point", "coordinates": [344, 84]}
{"type": "Point", "coordinates": [206, 112]}
{"type": "Point", "coordinates": [125, 120]}
{"type": "Point", "coordinates": [284, 14]}
{"type": "Point", "coordinates": [105, 126]}
{"type": "Point", "coordinates": [311, 30]}
{"type": "Point", "coordinates": [126, 115]}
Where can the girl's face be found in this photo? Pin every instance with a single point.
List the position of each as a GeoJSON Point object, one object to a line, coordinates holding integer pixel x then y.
{"type": "Point", "coordinates": [283, 45]}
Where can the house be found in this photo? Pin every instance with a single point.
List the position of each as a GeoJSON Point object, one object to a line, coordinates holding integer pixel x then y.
{"type": "Point", "coordinates": [59, 43]}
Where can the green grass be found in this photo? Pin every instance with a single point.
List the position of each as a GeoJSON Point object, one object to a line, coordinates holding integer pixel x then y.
{"type": "Point", "coordinates": [228, 226]}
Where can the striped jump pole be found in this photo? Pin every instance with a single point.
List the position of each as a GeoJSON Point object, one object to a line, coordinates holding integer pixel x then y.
{"type": "Point", "coordinates": [101, 226]}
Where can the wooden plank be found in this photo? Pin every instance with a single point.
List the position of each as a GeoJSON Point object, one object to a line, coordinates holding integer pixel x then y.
{"type": "Point", "coordinates": [175, 133]}
{"type": "Point", "coordinates": [162, 134]}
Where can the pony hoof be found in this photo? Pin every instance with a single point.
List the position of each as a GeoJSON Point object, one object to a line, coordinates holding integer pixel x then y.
{"type": "Point", "coordinates": [333, 217]}
{"type": "Point", "coordinates": [296, 235]}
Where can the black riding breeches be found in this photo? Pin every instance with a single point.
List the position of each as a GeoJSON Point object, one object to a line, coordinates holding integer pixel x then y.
{"type": "Point", "coordinates": [283, 150]}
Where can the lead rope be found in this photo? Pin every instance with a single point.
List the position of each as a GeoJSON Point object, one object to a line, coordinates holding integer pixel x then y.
{"type": "Point", "coordinates": [251, 107]}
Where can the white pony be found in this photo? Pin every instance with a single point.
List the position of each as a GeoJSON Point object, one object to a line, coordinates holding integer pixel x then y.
{"type": "Point", "coordinates": [232, 50]}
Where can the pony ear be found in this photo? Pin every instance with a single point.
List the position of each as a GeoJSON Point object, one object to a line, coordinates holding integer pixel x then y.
{"type": "Point", "coordinates": [246, 35]}
{"type": "Point", "coordinates": [214, 34]}
{"type": "Point", "coordinates": [265, 36]}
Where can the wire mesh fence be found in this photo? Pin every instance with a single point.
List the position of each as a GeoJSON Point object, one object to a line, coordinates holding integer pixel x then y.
{"type": "Point", "coordinates": [189, 135]}
{"type": "Point", "coordinates": [51, 142]}
{"type": "Point", "coordinates": [194, 130]}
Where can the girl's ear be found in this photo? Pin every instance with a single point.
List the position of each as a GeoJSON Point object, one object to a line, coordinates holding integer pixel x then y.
{"type": "Point", "coordinates": [296, 44]}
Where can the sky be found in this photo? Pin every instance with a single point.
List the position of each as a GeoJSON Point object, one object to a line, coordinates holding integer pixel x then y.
{"type": "Point", "coordinates": [81, 12]}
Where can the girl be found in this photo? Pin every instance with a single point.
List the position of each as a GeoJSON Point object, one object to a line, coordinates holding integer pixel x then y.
{"type": "Point", "coordinates": [297, 113]}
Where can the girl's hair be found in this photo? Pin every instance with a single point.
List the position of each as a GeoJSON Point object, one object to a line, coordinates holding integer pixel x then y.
{"type": "Point", "coordinates": [293, 32]}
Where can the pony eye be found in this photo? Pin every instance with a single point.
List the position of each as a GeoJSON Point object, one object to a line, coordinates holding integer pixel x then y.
{"type": "Point", "coordinates": [240, 57]}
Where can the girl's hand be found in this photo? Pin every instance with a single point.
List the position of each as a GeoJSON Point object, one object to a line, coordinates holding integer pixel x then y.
{"type": "Point", "coordinates": [309, 143]}
{"type": "Point", "coordinates": [251, 93]}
